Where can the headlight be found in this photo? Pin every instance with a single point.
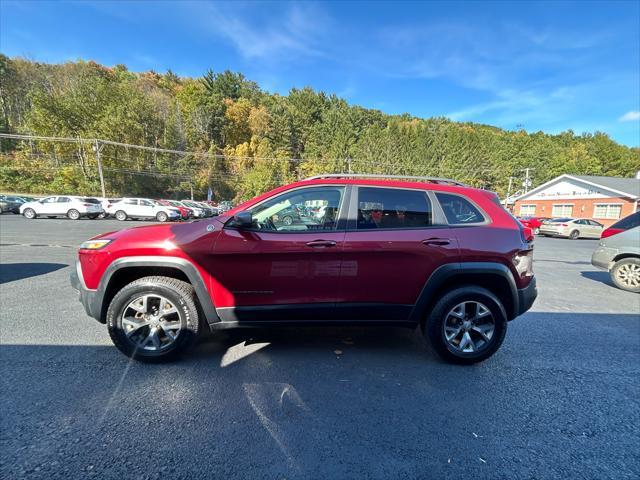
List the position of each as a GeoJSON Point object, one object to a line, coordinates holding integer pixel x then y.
{"type": "Point", "coordinates": [94, 244]}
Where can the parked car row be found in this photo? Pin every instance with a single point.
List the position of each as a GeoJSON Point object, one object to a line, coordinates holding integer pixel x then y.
{"type": "Point", "coordinates": [75, 207]}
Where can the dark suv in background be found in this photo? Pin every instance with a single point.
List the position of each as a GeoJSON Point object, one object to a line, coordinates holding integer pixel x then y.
{"type": "Point", "coordinates": [413, 251]}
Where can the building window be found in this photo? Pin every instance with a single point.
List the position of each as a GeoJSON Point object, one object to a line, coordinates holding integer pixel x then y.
{"type": "Point", "coordinates": [527, 210]}
{"type": "Point", "coordinates": [607, 210]}
{"type": "Point", "coordinates": [562, 210]}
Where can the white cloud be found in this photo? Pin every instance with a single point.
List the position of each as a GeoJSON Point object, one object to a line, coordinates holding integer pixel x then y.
{"type": "Point", "coordinates": [296, 30]}
{"type": "Point", "coordinates": [631, 116]}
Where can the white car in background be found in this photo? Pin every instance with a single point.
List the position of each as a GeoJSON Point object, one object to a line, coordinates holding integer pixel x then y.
{"type": "Point", "coordinates": [142, 208]}
{"type": "Point", "coordinates": [572, 228]}
{"type": "Point", "coordinates": [62, 206]}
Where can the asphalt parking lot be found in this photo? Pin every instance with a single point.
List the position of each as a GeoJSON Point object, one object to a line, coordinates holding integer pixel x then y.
{"type": "Point", "coordinates": [559, 400]}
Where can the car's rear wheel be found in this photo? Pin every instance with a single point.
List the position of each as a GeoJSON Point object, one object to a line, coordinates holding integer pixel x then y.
{"type": "Point", "coordinates": [121, 215]}
{"type": "Point", "coordinates": [162, 217]}
{"type": "Point", "coordinates": [288, 220]}
{"type": "Point", "coordinates": [29, 213]}
{"type": "Point", "coordinates": [574, 235]}
{"type": "Point", "coordinates": [73, 214]}
{"type": "Point", "coordinates": [467, 325]}
{"type": "Point", "coordinates": [626, 274]}
{"type": "Point", "coordinates": [153, 318]}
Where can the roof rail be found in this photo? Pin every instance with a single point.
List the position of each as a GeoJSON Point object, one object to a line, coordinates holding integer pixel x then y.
{"type": "Point", "coordinates": [446, 181]}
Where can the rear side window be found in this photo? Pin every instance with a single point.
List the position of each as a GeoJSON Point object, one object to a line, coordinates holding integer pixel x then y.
{"type": "Point", "coordinates": [130, 201]}
{"type": "Point", "coordinates": [632, 221]}
{"type": "Point", "coordinates": [393, 208]}
{"type": "Point", "coordinates": [458, 210]}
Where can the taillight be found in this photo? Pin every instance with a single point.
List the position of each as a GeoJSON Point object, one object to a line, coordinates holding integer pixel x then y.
{"type": "Point", "coordinates": [611, 231]}
{"type": "Point", "coordinates": [86, 204]}
{"type": "Point", "coordinates": [527, 234]}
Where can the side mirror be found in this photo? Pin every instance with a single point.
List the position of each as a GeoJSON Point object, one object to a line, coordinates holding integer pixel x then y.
{"type": "Point", "coordinates": [243, 219]}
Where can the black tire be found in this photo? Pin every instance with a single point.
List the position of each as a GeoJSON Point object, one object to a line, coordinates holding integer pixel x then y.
{"type": "Point", "coordinates": [29, 213]}
{"type": "Point", "coordinates": [621, 274]}
{"type": "Point", "coordinates": [162, 217]}
{"type": "Point", "coordinates": [287, 220]}
{"type": "Point", "coordinates": [73, 214]}
{"type": "Point", "coordinates": [574, 235]}
{"type": "Point", "coordinates": [433, 327]}
{"type": "Point", "coordinates": [179, 293]}
{"type": "Point", "coordinates": [121, 215]}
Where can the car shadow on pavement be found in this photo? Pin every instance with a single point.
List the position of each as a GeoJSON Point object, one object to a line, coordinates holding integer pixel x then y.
{"type": "Point", "coordinates": [599, 276]}
{"type": "Point", "coordinates": [10, 272]}
{"type": "Point", "coordinates": [329, 403]}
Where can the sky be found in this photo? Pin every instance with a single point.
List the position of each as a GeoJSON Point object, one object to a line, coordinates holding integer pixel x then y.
{"type": "Point", "coordinates": [549, 66]}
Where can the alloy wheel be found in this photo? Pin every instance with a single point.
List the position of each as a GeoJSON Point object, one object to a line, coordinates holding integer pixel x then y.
{"type": "Point", "coordinates": [629, 274]}
{"type": "Point", "coordinates": [469, 327]}
{"type": "Point", "coordinates": [151, 323]}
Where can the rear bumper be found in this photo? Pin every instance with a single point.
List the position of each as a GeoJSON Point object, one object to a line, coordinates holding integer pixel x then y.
{"type": "Point", "coordinates": [526, 296]}
{"type": "Point", "coordinates": [88, 298]}
{"type": "Point", "coordinates": [603, 257]}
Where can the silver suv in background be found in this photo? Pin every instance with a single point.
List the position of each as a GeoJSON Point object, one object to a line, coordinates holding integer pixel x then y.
{"type": "Point", "coordinates": [619, 253]}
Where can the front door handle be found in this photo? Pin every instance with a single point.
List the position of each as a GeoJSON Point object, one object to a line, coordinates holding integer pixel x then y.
{"type": "Point", "coordinates": [321, 243]}
{"type": "Point", "coordinates": [436, 241]}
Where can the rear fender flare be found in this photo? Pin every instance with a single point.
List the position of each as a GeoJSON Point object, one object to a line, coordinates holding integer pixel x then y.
{"type": "Point", "coordinates": [450, 270]}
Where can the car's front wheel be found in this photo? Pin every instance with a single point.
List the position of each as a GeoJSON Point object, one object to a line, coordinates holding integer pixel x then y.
{"type": "Point", "coordinates": [626, 274]}
{"type": "Point", "coordinates": [153, 318]}
{"type": "Point", "coordinates": [29, 213]}
{"type": "Point", "coordinates": [467, 325]}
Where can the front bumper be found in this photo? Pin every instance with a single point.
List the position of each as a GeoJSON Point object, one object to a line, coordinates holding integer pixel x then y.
{"type": "Point", "coordinates": [526, 296]}
{"type": "Point", "coordinates": [89, 298]}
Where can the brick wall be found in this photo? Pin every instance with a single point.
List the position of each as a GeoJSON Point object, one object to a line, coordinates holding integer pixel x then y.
{"type": "Point", "coordinates": [582, 208]}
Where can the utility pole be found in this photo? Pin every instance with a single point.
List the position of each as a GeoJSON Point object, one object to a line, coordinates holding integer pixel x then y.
{"type": "Point", "coordinates": [527, 179]}
{"type": "Point", "coordinates": [509, 188]}
{"type": "Point", "coordinates": [191, 187]}
{"type": "Point", "coordinates": [97, 148]}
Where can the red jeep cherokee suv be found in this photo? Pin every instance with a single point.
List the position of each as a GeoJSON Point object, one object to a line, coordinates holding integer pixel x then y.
{"type": "Point", "coordinates": [361, 251]}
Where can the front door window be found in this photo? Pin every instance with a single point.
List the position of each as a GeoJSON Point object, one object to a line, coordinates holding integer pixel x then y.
{"type": "Point", "coordinates": [304, 210]}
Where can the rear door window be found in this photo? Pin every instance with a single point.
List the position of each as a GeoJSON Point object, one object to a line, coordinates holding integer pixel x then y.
{"type": "Point", "coordinates": [459, 210]}
{"type": "Point", "coordinates": [393, 208]}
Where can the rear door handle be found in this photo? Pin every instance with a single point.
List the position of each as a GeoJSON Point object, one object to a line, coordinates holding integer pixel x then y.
{"type": "Point", "coordinates": [321, 243]}
{"type": "Point", "coordinates": [436, 241]}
